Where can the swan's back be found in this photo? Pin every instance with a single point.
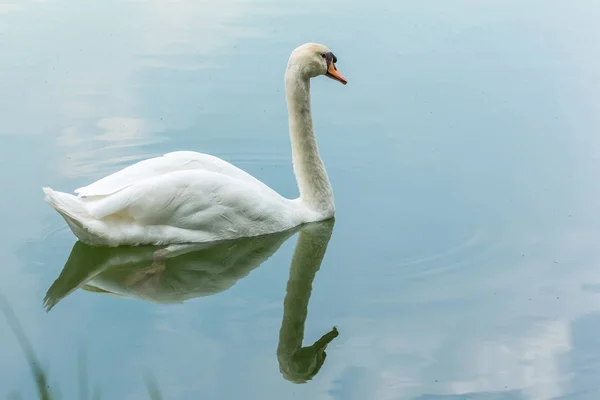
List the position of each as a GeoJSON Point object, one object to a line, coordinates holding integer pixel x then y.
{"type": "Point", "coordinates": [157, 166]}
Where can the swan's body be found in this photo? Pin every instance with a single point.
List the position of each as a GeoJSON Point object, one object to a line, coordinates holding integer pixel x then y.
{"type": "Point", "coordinates": [185, 196]}
{"type": "Point", "coordinates": [182, 197]}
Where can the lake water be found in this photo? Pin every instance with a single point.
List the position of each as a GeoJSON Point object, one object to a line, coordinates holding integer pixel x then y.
{"type": "Point", "coordinates": [465, 159]}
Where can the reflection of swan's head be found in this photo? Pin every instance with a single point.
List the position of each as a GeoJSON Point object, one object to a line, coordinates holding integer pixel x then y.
{"type": "Point", "coordinates": [312, 60]}
{"type": "Point", "coordinates": [307, 361]}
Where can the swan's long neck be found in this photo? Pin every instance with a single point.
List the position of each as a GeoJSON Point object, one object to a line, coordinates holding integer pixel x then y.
{"type": "Point", "coordinates": [313, 182]}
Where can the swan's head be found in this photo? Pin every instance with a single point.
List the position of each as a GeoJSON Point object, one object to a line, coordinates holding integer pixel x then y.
{"type": "Point", "coordinates": [313, 59]}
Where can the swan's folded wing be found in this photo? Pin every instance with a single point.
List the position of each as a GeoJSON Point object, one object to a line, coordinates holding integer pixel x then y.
{"type": "Point", "coordinates": [219, 205]}
{"type": "Point", "coordinates": [154, 167]}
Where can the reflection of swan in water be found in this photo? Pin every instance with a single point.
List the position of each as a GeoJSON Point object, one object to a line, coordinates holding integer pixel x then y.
{"type": "Point", "coordinates": [180, 272]}
{"type": "Point", "coordinates": [170, 274]}
{"type": "Point", "coordinates": [299, 364]}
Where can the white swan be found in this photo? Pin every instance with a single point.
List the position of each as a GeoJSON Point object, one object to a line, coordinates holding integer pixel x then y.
{"type": "Point", "coordinates": [185, 196]}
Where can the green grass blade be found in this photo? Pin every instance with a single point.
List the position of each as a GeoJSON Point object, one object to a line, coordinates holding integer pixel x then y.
{"type": "Point", "coordinates": [38, 374]}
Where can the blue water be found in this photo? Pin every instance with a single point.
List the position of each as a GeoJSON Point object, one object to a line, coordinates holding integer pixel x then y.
{"type": "Point", "coordinates": [465, 160]}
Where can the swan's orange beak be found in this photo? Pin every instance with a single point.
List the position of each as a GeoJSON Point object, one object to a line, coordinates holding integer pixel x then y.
{"type": "Point", "coordinates": [333, 73]}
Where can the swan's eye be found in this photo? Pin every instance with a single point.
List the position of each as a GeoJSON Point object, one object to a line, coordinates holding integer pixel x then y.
{"type": "Point", "coordinates": [324, 55]}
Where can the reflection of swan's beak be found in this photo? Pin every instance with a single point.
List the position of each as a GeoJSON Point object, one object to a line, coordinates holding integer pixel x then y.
{"type": "Point", "coordinates": [321, 345]}
{"type": "Point", "coordinates": [333, 73]}
{"type": "Point", "coordinates": [327, 338]}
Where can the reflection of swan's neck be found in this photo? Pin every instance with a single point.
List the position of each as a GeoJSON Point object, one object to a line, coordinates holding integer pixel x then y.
{"type": "Point", "coordinates": [299, 288]}
{"type": "Point", "coordinates": [309, 253]}
{"type": "Point", "coordinates": [313, 183]}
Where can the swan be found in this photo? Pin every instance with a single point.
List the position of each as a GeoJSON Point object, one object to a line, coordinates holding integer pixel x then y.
{"type": "Point", "coordinates": [190, 197]}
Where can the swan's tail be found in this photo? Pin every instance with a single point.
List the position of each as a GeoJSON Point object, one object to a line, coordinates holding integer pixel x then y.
{"type": "Point", "coordinates": [73, 210]}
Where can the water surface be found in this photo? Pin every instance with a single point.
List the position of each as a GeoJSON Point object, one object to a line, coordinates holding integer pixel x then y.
{"type": "Point", "coordinates": [464, 157]}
